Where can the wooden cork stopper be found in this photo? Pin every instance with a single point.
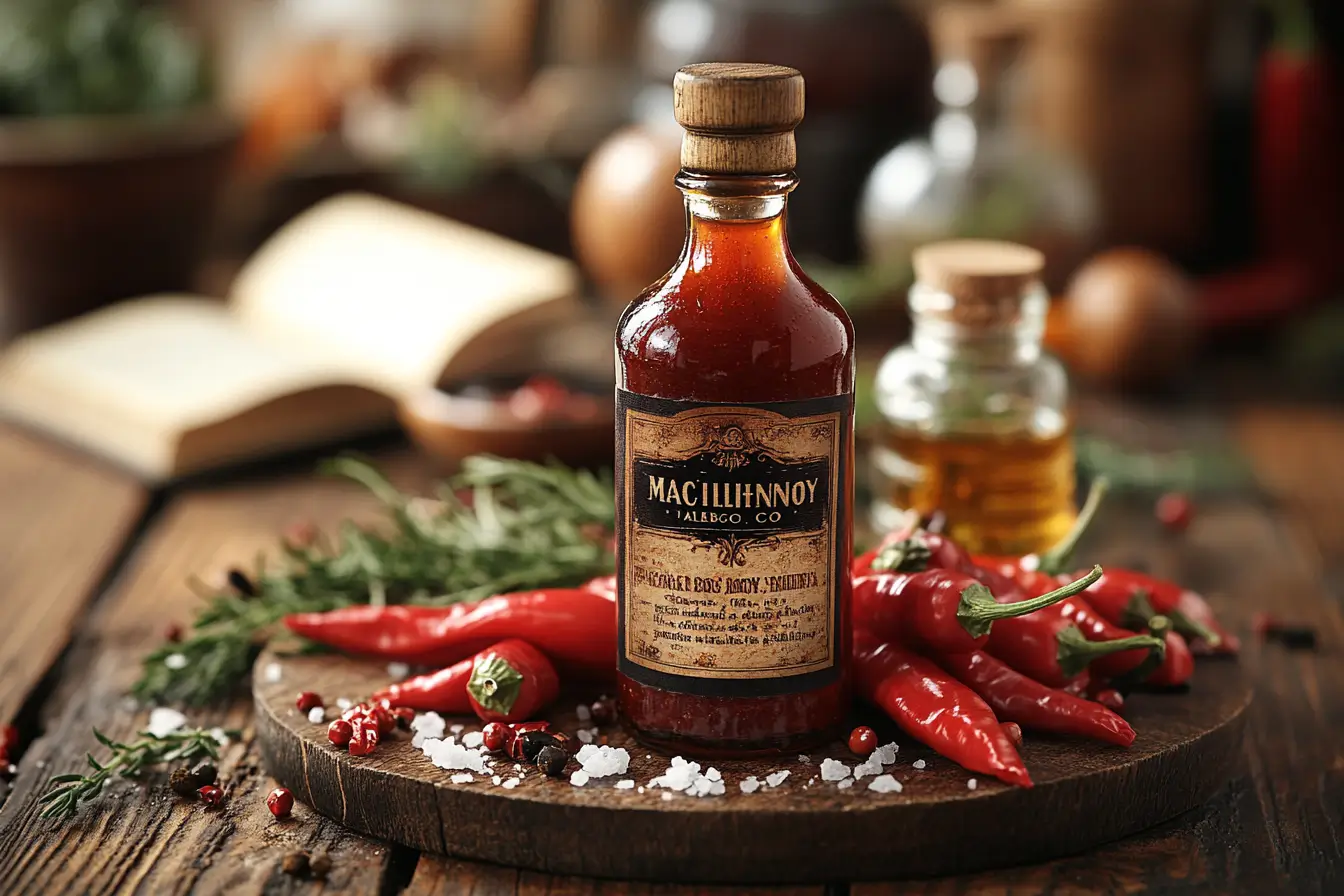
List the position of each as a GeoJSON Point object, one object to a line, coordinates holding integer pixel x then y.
{"type": "Point", "coordinates": [739, 117]}
{"type": "Point", "coordinates": [986, 279]}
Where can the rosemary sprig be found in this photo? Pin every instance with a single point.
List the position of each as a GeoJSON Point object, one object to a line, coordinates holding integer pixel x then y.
{"type": "Point", "coordinates": [128, 761]}
{"type": "Point", "coordinates": [501, 525]}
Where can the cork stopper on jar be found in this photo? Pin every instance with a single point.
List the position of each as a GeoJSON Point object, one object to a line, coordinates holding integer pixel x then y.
{"type": "Point", "coordinates": [739, 117]}
{"type": "Point", "coordinates": [985, 280]}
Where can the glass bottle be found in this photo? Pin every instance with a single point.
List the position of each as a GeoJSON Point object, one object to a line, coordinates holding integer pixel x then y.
{"type": "Point", "coordinates": [978, 173]}
{"type": "Point", "coordinates": [977, 416]}
{"type": "Point", "coordinates": [735, 379]}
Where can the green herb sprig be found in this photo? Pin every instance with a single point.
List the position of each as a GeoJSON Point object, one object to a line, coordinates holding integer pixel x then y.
{"type": "Point", "coordinates": [128, 761]}
{"type": "Point", "coordinates": [501, 525]}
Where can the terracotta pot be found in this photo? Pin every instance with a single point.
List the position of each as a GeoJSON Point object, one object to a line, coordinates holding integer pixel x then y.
{"type": "Point", "coordinates": [98, 209]}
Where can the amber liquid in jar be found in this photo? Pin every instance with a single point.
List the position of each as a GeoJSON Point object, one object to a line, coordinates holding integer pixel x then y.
{"type": "Point", "coordinates": [1006, 495]}
{"type": "Point", "coordinates": [737, 321]}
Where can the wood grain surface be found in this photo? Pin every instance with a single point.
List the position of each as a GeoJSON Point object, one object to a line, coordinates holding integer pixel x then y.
{"type": "Point", "coordinates": [804, 830]}
{"type": "Point", "coordinates": [62, 522]}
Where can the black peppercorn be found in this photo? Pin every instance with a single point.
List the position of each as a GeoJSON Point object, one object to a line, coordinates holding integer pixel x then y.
{"type": "Point", "coordinates": [184, 783]}
{"type": "Point", "coordinates": [296, 864]}
{"type": "Point", "coordinates": [530, 743]}
{"type": "Point", "coordinates": [205, 773]}
{"type": "Point", "coordinates": [320, 865]}
{"type": "Point", "coordinates": [552, 761]}
{"type": "Point", "coordinates": [603, 711]}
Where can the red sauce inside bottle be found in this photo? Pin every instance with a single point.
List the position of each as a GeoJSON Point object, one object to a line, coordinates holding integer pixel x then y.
{"type": "Point", "coordinates": [737, 321]}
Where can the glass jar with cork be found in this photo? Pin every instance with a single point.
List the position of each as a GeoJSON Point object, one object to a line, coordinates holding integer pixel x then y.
{"type": "Point", "coordinates": [735, 379]}
{"type": "Point", "coordinates": [977, 416]}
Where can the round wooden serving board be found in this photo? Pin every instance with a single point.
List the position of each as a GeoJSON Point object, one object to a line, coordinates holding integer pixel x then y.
{"type": "Point", "coordinates": [1085, 794]}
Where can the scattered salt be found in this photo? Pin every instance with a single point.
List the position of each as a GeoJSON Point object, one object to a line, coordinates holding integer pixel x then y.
{"type": "Point", "coordinates": [774, 779]}
{"type": "Point", "coordinates": [398, 671]}
{"type": "Point", "coordinates": [885, 784]}
{"type": "Point", "coordinates": [685, 777]}
{"type": "Point", "coordinates": [751, 785]}
{"type": "Point", "coordinates": [887, 754]}
{"type": "Point", "coordinates": [584, 713]}
{"type": "Point", "coordinates": [426, 726]}
{"type": "Point", "coordinates": [457, 729]}
{"type": "Point", "coordinates": [579, 778]}
{"type": "Point", "coordinates": [317, 715]}
{"type": "Point", "coordinates": [175, 661]}
{"type": "Point", "coordinates": [495, 780]}
{"type": "Point", "coordinates": [273, 673]}
{"type": "Point", "coordinates": [667, 797]}
{"type": "Point", "coordinates": [637, 789]}
{"type": "Point", "coordinates": [972, 784]}
{"type": "Point", "coordinates": [833, 770]}
{"type": "Point", "coordinates": [845, 784]}
{"type": "Point", "coordinates": [463, 778]}
{"type": "Point", "coordinates": [585, 736]}
{"type": "Point", "coordinates": [804, 758]}
{"type": "Point", "coordinates": [446, 754]}
{"type": "Point", "coordinates": [920, 763]}
{"type": "Point", "coordinates": [600, 762]}
{"type": "Point", "coordinates": [870, 766]}
{"type": "Point", "coordinates": [626, 784]}
{"type": "Point", "coordinates": [473, 739]}
{"type": "Point", "coordinates": [164, 721]}
{"type": "Point", "coordinates": [343, 703]}
{"type": "Point", "coordinates": [511, 783]}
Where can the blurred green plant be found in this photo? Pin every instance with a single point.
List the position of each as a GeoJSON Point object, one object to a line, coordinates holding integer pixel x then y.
{"type": "Point", "coordinates": [96, 57]}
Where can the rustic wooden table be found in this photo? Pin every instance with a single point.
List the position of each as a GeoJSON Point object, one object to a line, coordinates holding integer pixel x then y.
{"type": "Point", "coordinates": [93, 568]}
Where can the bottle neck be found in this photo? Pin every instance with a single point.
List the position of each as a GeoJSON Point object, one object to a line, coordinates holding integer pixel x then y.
{"type": "Point", "coordinates": [1013, 340]}
{"type": "Point", "coordinates": [738, 220]}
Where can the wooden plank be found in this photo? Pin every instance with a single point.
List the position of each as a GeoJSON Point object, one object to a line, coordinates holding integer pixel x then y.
{"type": "Point", "coordinates": [63, 519]}
{"type": "Point", "coordinates": [437, 876]}
{"type": "Point", "coordinates": [147, 839]}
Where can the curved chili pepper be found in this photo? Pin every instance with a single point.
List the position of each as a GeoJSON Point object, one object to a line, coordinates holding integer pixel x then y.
{"type": "Point", "coordinates": [441, 691]}
{"type": "Point", "coordinates": [511, 682]}
{"type": "Point", "coordinates": [1178, 664]}
{"type": "Point", "coordinates": [934, 708]}
{"type": "Point", "coordinates": [1189, 613]}
{"type": "Point", "coordinates": [942, 610]}
{"type": "Point", "coordinates": [574, 627]}
{"type": "Point", "coordinates": [1017, 698]}
{"type": "Point", "coordinates": [1047, 646]}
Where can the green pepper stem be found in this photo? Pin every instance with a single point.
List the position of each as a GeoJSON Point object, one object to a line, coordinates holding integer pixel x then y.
{"type": "Point", "coordinates": [495, 684]}
{"type": "Point", "coordinates": [1138, 612]}
{"type": "Point", "coordinates": [1057, 558]}
{"type": "Point", "coordinates": [1075, 651]}
{"type": "Point", "coordinates": [1192, 628]}
{"type": "Point", "coordinates": [978, 608]}
{"type": "Point", "coordinates": [907, 555]}
{"type": "Point", "coordinates": [1158, 627]}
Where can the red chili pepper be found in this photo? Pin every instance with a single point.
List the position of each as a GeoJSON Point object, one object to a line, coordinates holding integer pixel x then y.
{"type": "Point", "coordinates": [1048, 647]}
{"type": "Point", "coordinates": [511, 681]}
{"type": "Point", "coordinates": [1115, 593]}
{"type": "Point", "coordinates": [363, 737]}
{"type": "Point", "coordinates": [441, 691]}
{"type": "Point", "coordinates": [935, 709]}
{"type": "Point", "coordinates": [1178, 663]}
{"type": "Point", "coordinates": [574, 627]}
{"type": "Point", "coordinates": [940, 609]}
{"type": "Point", "coordinates": [1017, 698]}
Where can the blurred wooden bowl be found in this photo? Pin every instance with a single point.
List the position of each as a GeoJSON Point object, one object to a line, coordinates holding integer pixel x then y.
{"type": "Point", "coordinates": [98, 209]}
{"type": "Point", "coordinates": [450, 426]}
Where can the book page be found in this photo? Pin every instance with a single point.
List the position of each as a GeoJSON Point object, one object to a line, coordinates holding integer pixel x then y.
{"type": "Point", "coordinates": [405, 296]}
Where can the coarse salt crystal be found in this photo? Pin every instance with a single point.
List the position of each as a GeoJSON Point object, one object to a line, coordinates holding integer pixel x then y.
{"type": "Point", "coordinates": [273, 672]}
{"type": "Point", "coordinates": [885, 784]}
{"type": "Point", "coordinates": [584, 735]}
{"type": "Point", "coordinates": [473, 739]}
{"type": "Point", "coordinates": [600, 762]}
{"type": "Point", "coordinates": [845, 784]}
{"type": "Point", "coordinates": [751, 785]}
{"type": "Point", "coordinates": [511, 783]}
{"type": "Point", "coordinates": [774, 779]}
{"type": "Point", "coordinates": [452, 756]}
{"type": "Point", "coordinates": [870, 766]}
{"type": "Point", "coordinates": [639, 790]}
{"type": "Point", "coordinates": [972, 784]}
{"type": "Point", "coordinates": [463, 778]}
{"type": "Point", "coordinates": [495, 780]}
{"type": "Point", "coordinates": [667, 797]}
{"type": "Point", "coordinates": [919, 763]}
{"type": "Point", "coordinates": [626, 784]}
{"type": "Point", "coordinates": [317, 715]}
{"type": "Point", "coordinates": [457, 729]}
{"type": "Point", "coordinates": [584, 713]}
{"type": "Point", "coordinates": [803, 757]}
{"type": "Point", "coordinates": [887, 754]}
{"type": "Point", "coordinates": [833, 770]}
{"type": "Point", "coordinates": [713, 774]}
{"type": "Point", "coordinates": [398, 671]}
{"type": "Point", "coordinates": [343, 703]}
{"type": "Point", "coordinates": [164, 721]}
{"type": "Point", "coordinates": [427, 724]}
{"type": "Point", "coordinates": [175, 661]}
{"type": "Point", "coordinates": [579, 778]}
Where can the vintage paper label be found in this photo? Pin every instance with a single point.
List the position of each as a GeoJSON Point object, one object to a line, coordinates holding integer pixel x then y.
{"type": "Point", "coordinates": [729, 556]}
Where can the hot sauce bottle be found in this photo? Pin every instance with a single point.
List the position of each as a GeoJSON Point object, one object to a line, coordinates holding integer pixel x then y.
{"type": "Point", "coordinates": [734, 446]}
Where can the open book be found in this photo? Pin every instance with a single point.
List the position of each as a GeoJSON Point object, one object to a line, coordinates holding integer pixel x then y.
{"type": "Point", "coordinates": [350, 305]}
